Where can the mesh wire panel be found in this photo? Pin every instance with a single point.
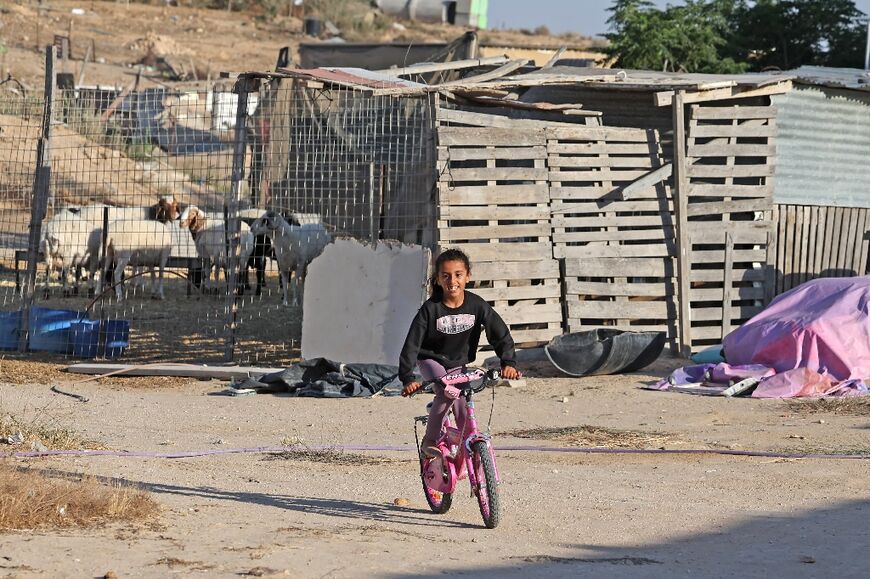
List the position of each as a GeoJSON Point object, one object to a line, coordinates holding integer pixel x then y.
{"type": "Point", "coordinates": [179, 180]}
{"type": "Point", "coordinates": [335, 163]}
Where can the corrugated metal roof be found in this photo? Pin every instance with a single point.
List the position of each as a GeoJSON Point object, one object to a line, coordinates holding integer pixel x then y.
{"type": "Point", "coordinates": [658, 80]}
{"type": "Point", "coordinates": [823, 147]}
{"type": "Point", "coordinates": [851, 78]}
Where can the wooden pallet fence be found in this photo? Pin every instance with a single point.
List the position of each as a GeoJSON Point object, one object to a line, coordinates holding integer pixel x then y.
{"type": "Point", "coordinates": [819, 242]}
{"type": "Point", "coordinates": [494, 205]}
{"type": "Point", "coordinates": [730, 152]}
{"type": "Point", "coordinates": [618, 253]}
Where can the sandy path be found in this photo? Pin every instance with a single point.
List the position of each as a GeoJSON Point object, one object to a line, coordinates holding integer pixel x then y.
{"type": "Point", "coordinates": [564, 515]}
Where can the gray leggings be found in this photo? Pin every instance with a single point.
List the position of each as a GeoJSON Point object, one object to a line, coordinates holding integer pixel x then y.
{"type": "Point", "coordinates": [432, 370]}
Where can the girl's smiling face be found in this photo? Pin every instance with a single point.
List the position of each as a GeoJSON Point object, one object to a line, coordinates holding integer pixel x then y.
{"type": "Point", "coordinates": [452, 277]}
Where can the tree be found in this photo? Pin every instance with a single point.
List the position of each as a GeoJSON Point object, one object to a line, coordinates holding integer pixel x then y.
{"type": "Point", "coordinates": [735, 35]}
{"type": "Point", "coordinates": [678, 38]}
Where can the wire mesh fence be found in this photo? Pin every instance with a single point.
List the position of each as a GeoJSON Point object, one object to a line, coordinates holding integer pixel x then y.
{"type": "Point", "coordinates": [177, 224]}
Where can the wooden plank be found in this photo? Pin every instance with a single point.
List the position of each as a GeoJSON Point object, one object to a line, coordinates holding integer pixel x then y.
{"type": "Point", "coordinates": [836, 240]}
{"type": "Point", "coordinates": [744, 231]}
{"type": "Point", "coordinates": [465, 136]}
{"type": "Point", "coordinates": [499, 153]}
{"type": "Point", "coordinates": [727, 150]}
{"type": "Point", "coordinates": [501, 195]}
{"type": "Point", "coordinates": [485, 120]}
{"type": "Point", "coordinates": [514, 270]}
{"type": "Point", "coordinates": [605, 134]}
{"type": "Point", "coordinates": [714, 314]}
{"type": "Point", "coordinates": [722, 190]}
{"type": "Point", "coordinates": [593, 288]}
{"type": "Point", "coordinates": [727, 291]}
{"type": "Point", "coordinates": [501, 251]}
{"type": "Point", "coordinates": [169, 369]}
{"type": "Point", "coordinates": [737, 275]}
{"type": "Point", "coordinates": [492, 174]}
{"type": "Point", "coordinates": [425, 67]}
{"type": "Point", "coordinates": [610, 251]}
{"type": "Point", "coordinates": [812, 242]}
{"type": "Point", "coordinates": [642, 185]}
{"type": "Point", "coordinates": [745, 130]}
{"type": "Point", "coordinates": [524, 292]}
{"type": "Point", "coordinates": [518, 213]}
{"type": "Point", "coordinates": [720, 207]}
{"type": "Point", "coordinates": [596, 176]}
{"type": "Point", "coordinates": [612, 220]}
{"type": "Point", "coordinates": [494, 232]}
{"type": "Point", "coordinates": [577, 325]}
{"type": "Point", "coordinates": [604, 310]}
{"type": "Point", "coordinates": [847, 242]}
{"type": "Point", "coordinates": [718, 255]}
{"type": "Point", "coordinates": [733, 112]}
{"type": "Point", "coordinates": [727, 288]}
{"type": "Point", "coordinates": [499, 72]}
{"type": "Point", "coordinates": [788, 264]}
{"type": "Point", "coordinates": [806, 259]}
{"type": "Point", "coordinates": [696, 171]}
{"type": "Point", "coordinates": [859, 266]}
{"type": "Point", "coordinates": [780, 212]}
{"type": "Point", "coordinates": [602, 162]}
{"type": "Point", "coordinates": [619, 267]}
{"type": "Point", "coordinates": [661, 235]}
{"type": "Point", "coordinates": [531, 314]}
{"type": "Point", "coordinates": [523, 336]}
{"type": "Point", "coordinates": [662, 204]}
{"type": "Point", "coordinates": [665, 98]}
{"type": "Point", "coordinates": [598, 192]}
{"type": "Point", "coordinates": [601, 148]}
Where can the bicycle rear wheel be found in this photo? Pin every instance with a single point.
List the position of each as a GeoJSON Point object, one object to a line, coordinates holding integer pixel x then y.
{"type": "Point", "coordinates": [486, 484]}
{"type": "Point", "coordinates": [438, 501]}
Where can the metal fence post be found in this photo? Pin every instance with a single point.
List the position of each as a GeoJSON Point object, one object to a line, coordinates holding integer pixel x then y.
{"type": "Point", "coordinates": [39, 203]}
{"type": "Point", "coordinates": [243, 86]}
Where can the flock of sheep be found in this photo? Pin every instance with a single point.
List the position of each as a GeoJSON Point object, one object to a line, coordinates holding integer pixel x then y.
{"type": "Point", "coordinates": [145, 239]}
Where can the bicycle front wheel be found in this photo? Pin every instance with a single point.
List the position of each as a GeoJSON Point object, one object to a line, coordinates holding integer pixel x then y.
{"type": "Point", "coordinates": [486, 484]}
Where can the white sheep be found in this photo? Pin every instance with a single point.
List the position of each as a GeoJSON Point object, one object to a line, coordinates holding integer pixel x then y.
{"type": "Point", "coordinates": [210, 237]}
{"type": "Point", "coordinates": [295, 246]}
{"type": "Point", "coordinates": [69, 242]}
{"type": "Point", "coordinates": [138, 242]}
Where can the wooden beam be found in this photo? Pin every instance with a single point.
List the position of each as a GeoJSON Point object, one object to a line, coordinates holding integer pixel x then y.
{"type": "Point", "coordinates": [178, 370]}
{"type": "Point", "coordinates": [499, 72]}
{"type": "Point", "coordinates": [426, 67]}
{"type": "Point", "coordinates": [662, 173]}
{"type": "Point", "coordinates": [555, 58]}
{"type": "Point", "coordinates": [665, 98]}
{"type": "Point", "coordinates": [681, 211]}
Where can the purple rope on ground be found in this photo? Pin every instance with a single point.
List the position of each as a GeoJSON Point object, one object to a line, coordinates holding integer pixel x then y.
{"type": "Point", "coordinates": [365, 447]}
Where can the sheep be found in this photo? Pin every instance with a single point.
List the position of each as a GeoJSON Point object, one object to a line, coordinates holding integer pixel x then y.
{"type": "Point", "coordinates": [295, 246]}
{"type": "Point", "coordinates": [68, 241]}
{"type": "Point", "coordinates": [141, 242]}
{"type": "Point", "coordinates": [209, 236]}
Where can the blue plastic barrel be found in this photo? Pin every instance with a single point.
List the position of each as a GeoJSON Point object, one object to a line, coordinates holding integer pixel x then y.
{"type": "Point", "coordinates": [85, 338]}
{"type": "Point", "coordinates": [10, 323]}
{"type": "Point", "coordinates": [50, 329]}
{"type": "Point", "coordinates": [117, 337]}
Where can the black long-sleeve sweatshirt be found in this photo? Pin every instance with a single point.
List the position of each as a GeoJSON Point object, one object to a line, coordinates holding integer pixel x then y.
{"type": "Point", "coordinates": [451, 335]}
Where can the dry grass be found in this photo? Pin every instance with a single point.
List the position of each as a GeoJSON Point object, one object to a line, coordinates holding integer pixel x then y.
{"type": "Point", "coordinates": [595, 436]}
{"type": "Point", "coordinates": [176, 563]}
{"type": "Point", "coordinates": [44, 429]}
{"type": "Point", "coordinates": [31, 500]}
{"type": "Point", "coordinates": [847, 406]}
{"type": "Point", "coordinates": [332, 456]}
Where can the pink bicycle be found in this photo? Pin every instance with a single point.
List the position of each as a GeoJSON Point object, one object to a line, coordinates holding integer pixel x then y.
{"type": "Point", "coordinates": [463, 454]}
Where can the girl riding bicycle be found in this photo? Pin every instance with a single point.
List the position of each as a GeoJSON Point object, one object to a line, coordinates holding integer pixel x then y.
{"type": "Point", "coordinates": [443, 338]}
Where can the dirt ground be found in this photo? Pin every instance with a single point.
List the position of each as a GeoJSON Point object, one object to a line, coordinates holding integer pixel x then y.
{"type": "Point", "coordinates": [564, 515]}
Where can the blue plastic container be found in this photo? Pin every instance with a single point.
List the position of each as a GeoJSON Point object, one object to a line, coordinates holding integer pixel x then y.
{"type": "Point", "coordinates": [50, 329]}
{"type": "Point", "coordinates": [10, 325]}
{"type": "Point", "coordinates": [85, 336]}
{"type": "Point", "coordinates": [117, 337]}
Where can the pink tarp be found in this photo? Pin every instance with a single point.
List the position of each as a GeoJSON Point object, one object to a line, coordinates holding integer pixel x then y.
{"type": "Point", "coordinates": [815, 339]}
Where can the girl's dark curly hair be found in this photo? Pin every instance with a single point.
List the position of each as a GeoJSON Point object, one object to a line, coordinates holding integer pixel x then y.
{"type": "Point", "coordinates": [445, 256]}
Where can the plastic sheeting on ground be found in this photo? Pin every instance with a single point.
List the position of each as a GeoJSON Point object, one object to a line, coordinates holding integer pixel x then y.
{"type": "Point", "coordinates": [322, 378]}
{"type": "Point", "coordinates": [811, 341]}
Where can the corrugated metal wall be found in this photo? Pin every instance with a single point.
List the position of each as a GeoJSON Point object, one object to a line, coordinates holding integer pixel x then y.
{"type": "Point", "coordinates": [823, 147]}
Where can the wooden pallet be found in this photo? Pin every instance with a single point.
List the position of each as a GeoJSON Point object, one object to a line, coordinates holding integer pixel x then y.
{"type": "Point", "coordinates": [618, 253]}
{"type": "Point", "coordinates": [819, 242]}
{"type": "Point", "coordinates": [730, 152]}
{"type": "Point", "coordinates": [494, 205]}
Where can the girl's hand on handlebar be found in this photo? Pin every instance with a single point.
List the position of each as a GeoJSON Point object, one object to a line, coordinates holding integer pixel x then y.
{"type": "Point", "coordinates": [411, 388]}
{"type": "Point", "coordinates": [510, 373]}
